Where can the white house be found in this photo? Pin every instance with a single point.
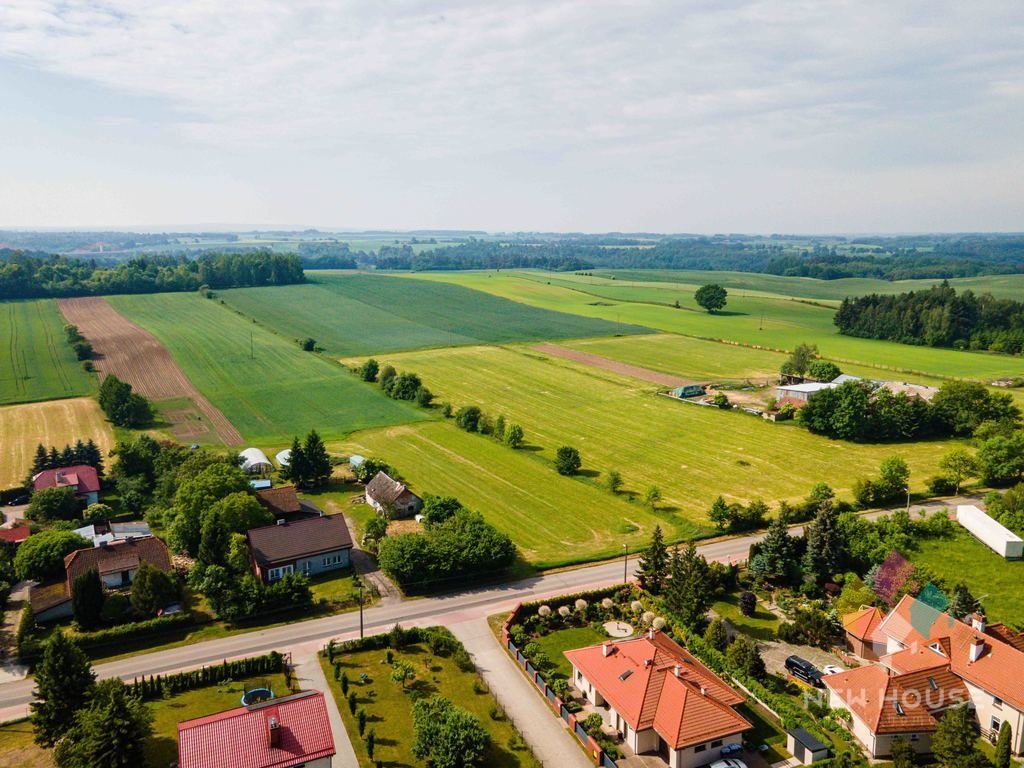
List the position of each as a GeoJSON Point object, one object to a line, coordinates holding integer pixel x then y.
{"type": "Point", "coordinates": [990, 532]}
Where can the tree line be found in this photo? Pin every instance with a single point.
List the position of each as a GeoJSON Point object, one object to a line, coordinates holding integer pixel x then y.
{"type": "Point", "coordinates": [938, 317]}
{"type": "Point", "coordinates": [28, 276]}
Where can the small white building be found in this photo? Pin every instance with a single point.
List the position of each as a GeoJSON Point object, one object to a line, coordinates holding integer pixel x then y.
{"type": "Point", "coordinates": [255, 462]}
{"type": "Point", "coordinates": [801, 393]}
{"type": "Point", "coordinates": [990, 532]}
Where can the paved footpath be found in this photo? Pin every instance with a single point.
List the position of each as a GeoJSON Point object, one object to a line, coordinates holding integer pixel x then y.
{"type": "Point", "coordinates": [543, 730]}
{"type": "Point", "coordinates": [310, 675]}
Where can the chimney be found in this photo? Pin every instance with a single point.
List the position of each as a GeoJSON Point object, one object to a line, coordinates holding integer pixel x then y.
{"type": "Point", "coordinates": [978, 622]}
{"type": "Point", "coordinates": [678, 670]}
{"type": "Point", "coordinates": [703, 691]}
{"type": "Point", "coordinates": [273, 731]}
{"type": "Point", "coordinates": [650, 633]}
{"type": "Point", "coordinates": [977, 648]}
{"type": "Point", "coordinates": [607, 649]}
{"type": "Point", "coordinates": [648, 663]}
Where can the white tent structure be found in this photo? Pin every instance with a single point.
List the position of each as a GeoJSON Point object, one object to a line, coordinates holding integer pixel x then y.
{"type": "Point", "coordinates": [284, 458]}
{"type": "Point", "coordinates": [255, 462]}
{"type": "Point", "coordinates": [989, 532]}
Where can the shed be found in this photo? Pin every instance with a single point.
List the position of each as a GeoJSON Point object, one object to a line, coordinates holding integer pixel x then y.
{"type": "Point", "coordinates": [804, 747]}
{"type": "Point", "coordinates": [255, 461]}
{"type": "Point", "coordinates": [355, 461]}
{"type": "Point", "coordinates": [688, 390]}
{"type": "Point", "coordinates": [284, 458]}
{"type": "Point", "coordinates": [990, 532]}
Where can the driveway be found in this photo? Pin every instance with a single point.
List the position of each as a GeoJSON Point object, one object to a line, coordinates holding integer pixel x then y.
{"type": "Point", "coordinates": [311, 677]}
{"type": "Point", "coordinates": [542, 729]}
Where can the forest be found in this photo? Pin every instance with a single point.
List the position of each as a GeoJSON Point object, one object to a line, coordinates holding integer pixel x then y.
{"type": "Point", "coordinates": [938, 317]}
{"type": "Point", "coordinates": [25, 276]}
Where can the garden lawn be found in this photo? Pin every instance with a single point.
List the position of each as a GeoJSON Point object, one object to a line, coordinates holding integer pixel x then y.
{"type": "Point", "coordinates": [771, 322]}
{"type": "Point", "coordinates": [54, 423]}
{"type": "Point", "coordinates": [270, 390]}
{"type": "Point", "coordinates": [389, 707]}
{"type": "Point", "coordinates": [761, 626]}
{"type": "Point", "coordinates": [360, 314]}
{"type": "Point", "coordinates": [691, 453]}
{"type": "Point", "coordinates": [36, 362]}
{"type": "Point", "coordinates": [554, 644]}
{"type": "Point", "coordinates": [996, 582]}
{"type": "Point", "coordinates": [162, 746]}
{"type": "Point", "coordinates": [554, 520]}
{"type": "Point", "coordinates": [18, 750]}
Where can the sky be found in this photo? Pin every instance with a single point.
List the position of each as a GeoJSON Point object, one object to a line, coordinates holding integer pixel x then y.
{"type": "Point", "coordinates": [806, 116]}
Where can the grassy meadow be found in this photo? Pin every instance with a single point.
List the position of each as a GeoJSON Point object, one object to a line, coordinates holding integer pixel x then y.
{"type": "Point", "coordinates": [771, 322]}
{"type": "Point", "coordinates": [554, 520]}
{"type": "Point", "coordinates": [691, 453]}
{"type": "Point", "coordinates": [36, 362]}
{"type": "Point", "coordinates": [58, 422]}
{"type": "Point", "coordinates": [357, 314]}
{"type": "Point", "coordinates": [271, 394]}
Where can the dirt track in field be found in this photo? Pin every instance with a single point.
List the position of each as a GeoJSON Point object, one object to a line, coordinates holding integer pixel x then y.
{"type": "Point", "coordinates": [134, 355]}
{"type": "Point", "coordinates": [607, 364]}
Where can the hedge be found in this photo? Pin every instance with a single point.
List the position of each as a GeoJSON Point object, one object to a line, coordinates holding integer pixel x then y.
{"type": "Point", "coordinates": [440, 641]}
{"type": "Point", "coordinates": [134, 630]}
{"type": "Point", "coordinates": [156, 687]}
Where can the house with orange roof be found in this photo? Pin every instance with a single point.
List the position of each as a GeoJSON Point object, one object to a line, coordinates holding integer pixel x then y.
{"type": "Point", "coordinates": [659, 698]}
{"type": "Point", "coordinates": [932, 662]}
{"type": "Point", "coordinates": [862, 635]}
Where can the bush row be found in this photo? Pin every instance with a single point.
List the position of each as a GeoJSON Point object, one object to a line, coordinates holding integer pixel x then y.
{"type": "Point", "coordinates": [88, 640]}
{"type": "Point", "coordinates": [439, 640]}
{"type": "Point", "coordinates": [156, 687]}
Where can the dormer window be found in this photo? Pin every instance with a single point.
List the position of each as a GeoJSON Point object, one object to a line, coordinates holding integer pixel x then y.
{"type": "Point", "coordinates": [933, 684]}
{"type": "Point", "coordinates": [937, 648]}
{"type": "Point", "coordinates": [899, 708]}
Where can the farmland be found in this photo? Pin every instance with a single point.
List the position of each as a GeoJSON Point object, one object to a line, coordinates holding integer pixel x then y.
{"type": "Point", "coordinates": [58, 422]}
{"type": "Point", "coordinates": [554, 520]}
{"type": "Point", "coordinates": [357, 314]}
{"type": "Point", "coordinates": [266, 386]}
{"type": "Point", "coordinates": [36, 363]}
{"type": "Point", "coordinates": [773, 322]}
{"type": "Point", "coordinates": [692, 453]}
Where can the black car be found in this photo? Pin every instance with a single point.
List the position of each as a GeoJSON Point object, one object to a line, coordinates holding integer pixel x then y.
{"type": "Point", "coordinates": [18, 500]}
{"type": "Point", "coordinates": [802, 669]}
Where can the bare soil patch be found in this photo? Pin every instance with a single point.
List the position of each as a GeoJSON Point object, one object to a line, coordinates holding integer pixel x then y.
{"type": "Point", "coordinates": [137, 357]}
{"type": "Point", "coordinates": [607, 364]}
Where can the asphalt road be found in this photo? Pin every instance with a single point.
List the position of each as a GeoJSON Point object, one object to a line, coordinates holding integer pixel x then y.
{"type": "Point", "coordinates": [305, 636]}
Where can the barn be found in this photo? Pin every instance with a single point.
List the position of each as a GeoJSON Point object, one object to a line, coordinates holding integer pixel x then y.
{"type": "Point", "coordinates": [255, 462]}
{"type": "Point", "coordinates": [990, 532]}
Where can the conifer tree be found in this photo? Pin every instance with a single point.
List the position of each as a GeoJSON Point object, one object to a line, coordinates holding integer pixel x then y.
{"type": "Point", "coordinates": [64, 680]}
{"type": "Point", "coordinates": [653, 565]}
{"type": "Point", "coordinates": [87, 598]}
{"type": "Point", "coordinates": [318, 463]}
{"type": "Point", "coordinates": [688, 592]}
{"type": "Point", "coordinates": [109, 733]}
{"type": "Point", "coordinates": [824, 555]}
{"type": "Point", "coordinates": [40, 461]}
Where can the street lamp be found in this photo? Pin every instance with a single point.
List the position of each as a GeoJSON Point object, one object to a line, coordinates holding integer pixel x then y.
{"type": "Point", "coordinates": [625, 563]}
{"type": "Point", "coordinates": [908, 498]}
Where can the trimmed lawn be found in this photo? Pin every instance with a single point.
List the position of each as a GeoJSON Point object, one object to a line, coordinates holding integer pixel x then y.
{"type": "Point", "coordinates": [389, 707]}
{"type": "Point", "coordinates": [555, 643]}
{"type": "Point", "coordinates": [996, 582]}
{"type": "Point", "coordinates": [338, 591]}
{"type": "Point", "coordinates": [762, 625]}
{"type": "Point", "coordinates": [18, 750]}
{"type": "Point", "coordinates": [765, 731]}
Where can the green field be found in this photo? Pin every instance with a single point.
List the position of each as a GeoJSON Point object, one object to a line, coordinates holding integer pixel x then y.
{"type": "Point", "coordinates": [359, 314]}
{"type": "Point", "coordinates": [691, 453]}
{"type": "Point", "coordinates": [271, 394]}
{"type": "Point", "coordinates": [770, 322]}
{"type": "Point", "coordinates": [36, 363]}
{"type": "Point", "coordinates": [1001, 286]}
{"type": "Point", "coordinates": [554, 520]}
{"type": "Point", "coordinates": [994, 581]}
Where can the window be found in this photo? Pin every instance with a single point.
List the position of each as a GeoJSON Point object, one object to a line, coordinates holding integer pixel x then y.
{"type": "Point", "coordinates": [931, 682]}
{"type": "Point", "coordinates": [915, 737]}
{"type": "Point", "coordinates": [716, 743]}
{"type": "Point", "coordinates": [995, 724]}
{"type": "Point", "coordinates": [997, 702]}
{"type": "Point", "coordinates": [625, 675]}
{"type": "Point", "coordinates": [276, 573]}
{"type": "Point", "coordinates": [899, 708]}
{"type": "Point", "coordinates": [700, 747]}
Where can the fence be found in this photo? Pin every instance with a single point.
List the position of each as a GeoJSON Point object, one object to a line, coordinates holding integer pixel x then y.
{"type": "Point", "coordinates": [592, 748]}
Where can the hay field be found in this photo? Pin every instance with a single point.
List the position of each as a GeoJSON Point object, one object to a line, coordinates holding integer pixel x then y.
{"type": "Point", "coordinates": [692, 453]}
{"type": "Point", "coordinates": [357, 314]}
{"type": "Point", "coordinates": [58, 422]}
{"type": "Point", "coordinates": [36, 363]}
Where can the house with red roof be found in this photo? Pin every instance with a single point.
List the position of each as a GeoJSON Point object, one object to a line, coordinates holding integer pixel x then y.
{"type": "Point", "coordinates": [933, 662]}
{"type": "Point", "coordinates": [81, 478]}
{"type": "Point", "coordinates": [15, 534]}
{"type": "Point", "coordinates": [862, 635]}
{"type": "Point", "coordinates": [659, 698]}
{"type": "Point", "coordinates": [290, 732]}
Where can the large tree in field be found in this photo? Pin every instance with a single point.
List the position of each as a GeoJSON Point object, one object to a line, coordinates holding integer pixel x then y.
{"type": "Point", "coordinates": [688, 591]}
{"type": "Point", "coordinates": [960, 464]}
{"type": "Point", "coordinates": [800, 359]}
{"type": "Point", "coordinates": [653, 565]}
{"type": "Point", "coordinates": [64, 680]}
{"type": "Point", "coordinates": [711, 297]}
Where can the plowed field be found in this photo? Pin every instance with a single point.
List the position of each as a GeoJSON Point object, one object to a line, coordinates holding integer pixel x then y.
{"type": "Point", "coordinates": [135, 356]}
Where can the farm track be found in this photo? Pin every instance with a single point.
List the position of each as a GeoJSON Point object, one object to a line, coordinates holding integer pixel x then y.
{"type": "Point", "coordinates": [137, 357]}
{"type": "Point", "coordinates": [614, 366]}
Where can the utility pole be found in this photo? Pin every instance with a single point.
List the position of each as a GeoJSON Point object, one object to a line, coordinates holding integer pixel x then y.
{"type": "Point", "coordinates": [908, 498]}
{"type": "Point", "coordinates": [252, 350]}
{"type": "Point", "coordinates": [625, 563]}
{"type": "Point", "coordinates": [360, 609]}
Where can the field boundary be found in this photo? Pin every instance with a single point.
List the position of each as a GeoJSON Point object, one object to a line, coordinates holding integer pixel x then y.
{"type": "Point", "coordinates": [613, 366]}
{"type": "Point", "coordinates": [134, 355]}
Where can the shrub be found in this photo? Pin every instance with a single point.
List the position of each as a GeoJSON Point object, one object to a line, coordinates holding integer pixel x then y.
{"type": "Point", "coordinates": [940, 485]}
{"type": "Point", "coordinates": [468, 418]}
{"type": "Point", "coordinates": [567, 460]}
{"type": "Point", "coordinates": [748, 603]}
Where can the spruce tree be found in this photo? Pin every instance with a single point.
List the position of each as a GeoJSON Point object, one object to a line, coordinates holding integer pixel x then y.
{"type": "Point", "coordinates": [67, 457]}
{"type": "Point", "coordinates": [52, 458]}
{"type": "Point", "coordinates": [87, 599]}
{"type": "Point", "coordinates": [688, 592]}
{"type": "Point", "coordinates": [78, 451]}
{"type": "Point", "coordinates": [824, 555]}
{"type": "Point", "coordinates": [296, 470]}
{"type": "Point", "coordinates": [1003, 745]}
{"type": "Point", "coordinates": [94, 456]}
{"type": "Point", "coordinates": [777, 550]}
{"type": "Point", "coordinates": [653, 565]}
{"type": "Point", "coordinates": [40, 461]}
{"type": "Point", "coordinates": [955, 740]}
{"type": "Point", "coordinates": [64, 680]}
{"type": "Point", "coordinates": [317, 461]}
{"type": "Point", "coordinates": [109, 733]}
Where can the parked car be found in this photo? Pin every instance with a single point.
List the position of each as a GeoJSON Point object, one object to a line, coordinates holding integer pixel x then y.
{"type": "Point", "coordinates": [731, 749]}
{"type": "Point", "coordinates": [18, 501]}
{"type": "Point", "coordinates": [802, 669]}
{"type": "Point", "coordinates": [831, 669]}
{"type": "Point", "coordinates": [732, 762]}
